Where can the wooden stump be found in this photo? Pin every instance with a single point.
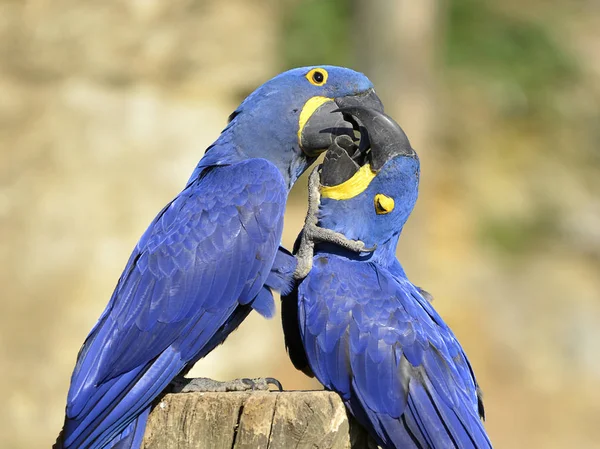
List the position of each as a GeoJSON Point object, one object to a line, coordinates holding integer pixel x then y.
{"type": "Point", "coordinates": [253, 420]}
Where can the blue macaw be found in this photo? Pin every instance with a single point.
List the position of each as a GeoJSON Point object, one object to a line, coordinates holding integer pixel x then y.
{"type": "Point", "coordinates": [357, 323]}
{"type": "Point", "coordinates": [208, 258]}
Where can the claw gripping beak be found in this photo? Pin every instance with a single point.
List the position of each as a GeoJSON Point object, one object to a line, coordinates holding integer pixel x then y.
{"type": "Point", "coordinates": [386, 137]}
{"type": "Point", "coordinates": [382, 137]}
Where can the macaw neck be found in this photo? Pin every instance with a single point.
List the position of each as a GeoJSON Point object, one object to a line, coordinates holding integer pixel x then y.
{"type": "Point", "coordinates": [227, 150]}
{"type": "Point", "coordinates": [385, 253]}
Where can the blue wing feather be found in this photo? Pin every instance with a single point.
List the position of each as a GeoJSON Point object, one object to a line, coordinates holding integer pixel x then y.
{"type": "Point", "coordinates": [133, 435]}
{"type": "Point", "coordinates": [264, 303]}
{"type": "Point", "coordinates": [371, 336]}
{"type": "Point", "coordinates": [281, 277]}
{"type": "Point", "coordinates": [204, 257]}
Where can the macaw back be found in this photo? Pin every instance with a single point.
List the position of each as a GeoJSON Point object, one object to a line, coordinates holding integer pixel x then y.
{"type": "Point", "coordinates": [197, 271]}
{"type": "Point", "coordinates": [368, 334]}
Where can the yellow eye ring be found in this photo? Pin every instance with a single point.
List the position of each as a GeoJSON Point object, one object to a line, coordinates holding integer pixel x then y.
{"type": "Point", "coordinates": [317, 77]}
{"type": "Point", "coordinates": [383, 204]}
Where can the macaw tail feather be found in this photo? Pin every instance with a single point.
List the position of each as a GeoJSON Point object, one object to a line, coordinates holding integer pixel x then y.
{"type": "Point", "coordinates": [130, 438]}
{"type": "Point", "coordinates": [59, 440]}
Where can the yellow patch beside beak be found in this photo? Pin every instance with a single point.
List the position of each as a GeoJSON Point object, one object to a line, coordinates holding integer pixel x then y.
{"type": "Point", "coordinates": [352, 187]}
{"type": "Point", "coordinates": [307, 110]}
{"type": "Point", "coordinates": [383, 204]}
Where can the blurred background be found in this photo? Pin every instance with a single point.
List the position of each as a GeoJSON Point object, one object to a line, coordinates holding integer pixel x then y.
{"type": "Point", "coordinates": [106, 107]}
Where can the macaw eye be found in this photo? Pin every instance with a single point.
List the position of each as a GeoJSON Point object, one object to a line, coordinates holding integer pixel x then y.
{"type": "Point", "coordinates": [317, 77]}
{"type": "Point", "coordinates": [383, 204]}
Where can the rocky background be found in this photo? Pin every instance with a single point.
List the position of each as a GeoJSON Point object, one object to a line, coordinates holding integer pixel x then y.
{"type": "Point", "coordinates": [106, 107]}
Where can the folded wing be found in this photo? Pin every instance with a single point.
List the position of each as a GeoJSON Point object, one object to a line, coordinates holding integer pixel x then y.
{"type": "Point", "coordinates": [204, 257]}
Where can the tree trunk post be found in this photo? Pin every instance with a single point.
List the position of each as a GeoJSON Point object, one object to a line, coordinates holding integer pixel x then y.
{"type": "Point", "coordinates": [253, 420]}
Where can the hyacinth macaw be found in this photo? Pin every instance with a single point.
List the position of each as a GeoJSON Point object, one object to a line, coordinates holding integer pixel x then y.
{"type": "Point", "coordinates": [358, 324]}
{"type": "Point", "coordinates": [209, 257]}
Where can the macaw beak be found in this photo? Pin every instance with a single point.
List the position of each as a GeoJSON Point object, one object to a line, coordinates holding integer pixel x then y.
{"type": "Point", "coordinates": [326, 121]}
{"type": "Point", "coordinates": [382, 137]}
{"type": "Point", "coordinates": [386, 138]}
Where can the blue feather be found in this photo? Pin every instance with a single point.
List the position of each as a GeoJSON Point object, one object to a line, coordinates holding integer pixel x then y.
{"type": "Point", "coordinates": [264, 303]}
{"type": "Point", "coordinates": [281, 276]}
{"type": "Point", "coordinates": [132, 436]}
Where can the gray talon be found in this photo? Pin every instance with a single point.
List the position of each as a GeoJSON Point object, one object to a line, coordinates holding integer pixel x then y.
{"type": "Point", "coordinates": [273, 381]}
{"type": "Point", "coordinates": [204, 385]}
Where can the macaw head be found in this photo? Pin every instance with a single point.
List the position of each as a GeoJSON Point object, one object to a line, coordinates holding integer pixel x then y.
{"type": "Point", "coordinates": [368, 194]}
{"type": "Point", "coordinates": [292, 118]}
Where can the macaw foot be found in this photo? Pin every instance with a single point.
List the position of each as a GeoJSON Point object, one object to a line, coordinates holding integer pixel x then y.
{"type": "Point", "coordinates": [312, 233]}
{"type": "Point", "coordinates": [204, 385]}
{"type": "Point", "coordinates": [327, 235]}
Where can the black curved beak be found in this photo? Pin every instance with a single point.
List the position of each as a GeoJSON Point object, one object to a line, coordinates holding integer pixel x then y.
{"type": "Point", "coordinates": [386, 138]}
{"type": "Point", "coordinates": [379, 131]}
{"type": "Point", "coordinates": [328, 121]}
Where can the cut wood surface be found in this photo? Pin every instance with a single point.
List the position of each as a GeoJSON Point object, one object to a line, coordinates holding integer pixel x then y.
{"type": "Point", "coordinates": [253, 420]}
